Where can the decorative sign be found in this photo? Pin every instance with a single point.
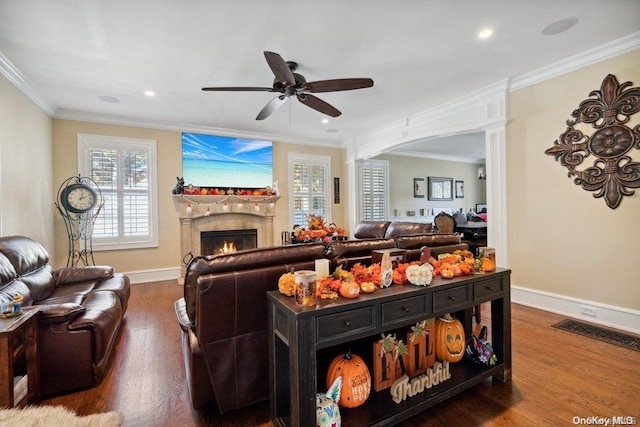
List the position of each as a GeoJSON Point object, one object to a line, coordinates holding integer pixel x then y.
{"type": "Point", "coordinates": [420, 343]}
{"type": "Point", "coordinates": [392, 358]}
{"type": "Point", "coordinates": [383, 374]}
{"type": "Point", "coordinates": [404, 387]}
{"type": "Point", "coordinates": [613, 174]}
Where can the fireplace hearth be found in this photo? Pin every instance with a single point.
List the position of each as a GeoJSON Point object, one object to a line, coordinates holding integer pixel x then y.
{"type": "Point", "coordinates": [216, 242]}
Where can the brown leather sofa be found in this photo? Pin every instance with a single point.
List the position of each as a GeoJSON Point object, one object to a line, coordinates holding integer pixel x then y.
{"type": "Point", "coordinates": [223, 316]}
{"type": "Point", "coordinates": [387, 229]}
{"type": "Point", "coordinates": [374, 235]}
{"type": "Point", "coordinates": [81, 312]}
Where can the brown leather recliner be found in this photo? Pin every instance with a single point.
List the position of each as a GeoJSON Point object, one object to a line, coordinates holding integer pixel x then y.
{"type": "Point", "coordinates": [223, 316]}
{"type": "Point", "coordinates": [81, 312]}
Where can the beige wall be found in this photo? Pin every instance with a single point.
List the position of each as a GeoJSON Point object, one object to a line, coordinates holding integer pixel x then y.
{"type": "Point", "coordinates": [562, 240]}
{"type": "Point", "coordinates": [403, 169]}
{"type": "Point", "coordinates": [281, 153]}
{"type": "Point", "coordinates": [65, 164]}
{"type": "Point", "coordinates": [26, 190]}
{"type": "Point", "coordinates": [167, 255]}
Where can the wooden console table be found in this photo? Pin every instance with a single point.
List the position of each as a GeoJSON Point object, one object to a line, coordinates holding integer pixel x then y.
{"type": "Point", "coordinates": [303, 340]}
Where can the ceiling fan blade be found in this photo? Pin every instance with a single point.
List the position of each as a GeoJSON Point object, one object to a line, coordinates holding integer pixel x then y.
{"type": "Point", "coordinates": [280, 68]}
{"type": "Point", "coordinates": [318, 104]}
{"type": "Point", "coordinates": [238, 89]}
{"type": "Point", "coordinates": [336, 85]}
{"type": "Point", "coordinates": [271, 107]}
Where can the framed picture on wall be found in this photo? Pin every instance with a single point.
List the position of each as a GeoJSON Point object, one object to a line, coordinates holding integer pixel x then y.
{"type": "Point", "coordinates": [459, 189]}
{"type": "Point", "coordinates": [440, 188]}
{"type": "Point", "coordinates": [419, 189]}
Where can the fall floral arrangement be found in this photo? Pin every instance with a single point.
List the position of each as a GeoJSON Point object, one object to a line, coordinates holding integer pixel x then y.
{"type": "Point", "coordinates": [317, 229]}
{"type": "Point", "coordinates": [366, 279]}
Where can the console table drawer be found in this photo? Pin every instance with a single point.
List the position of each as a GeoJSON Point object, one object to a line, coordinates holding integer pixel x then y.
{"type": "Point", "coordinates": [444, 300]}
{"type": "Point", "coordinates": [346, 323]}
{"type": "Point", "coordinates": [489, 287]}
{"type": "Point", "coordinates": [403, 309]}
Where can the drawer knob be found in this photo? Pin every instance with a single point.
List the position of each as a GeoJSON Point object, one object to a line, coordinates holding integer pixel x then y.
{"type": "Point", "coordinates": [405, 309]}
{"type": "Point", "coordinates": [452, 298]}
{"type": "Point", "coordinates": [347, 323]}
{"type": "Point", "coordinates": [489, 288]}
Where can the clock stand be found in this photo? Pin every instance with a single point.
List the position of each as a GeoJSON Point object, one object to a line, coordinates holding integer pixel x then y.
{"type": "Point", "coordinates": [79, 216]}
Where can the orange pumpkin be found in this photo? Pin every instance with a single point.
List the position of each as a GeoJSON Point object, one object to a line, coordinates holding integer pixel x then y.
{"type": "Point", "coordinates": [356, 379]}
{"type": "Point", "coordinates": [349, 290]}
{"type": "Point", "coordinates": [447, 273]}
{"type": "Point", "coordinates": [450, 339]}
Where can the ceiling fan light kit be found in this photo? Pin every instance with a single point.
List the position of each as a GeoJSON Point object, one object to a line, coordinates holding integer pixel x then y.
{"type": "Point", "coordinates": [289, 84]}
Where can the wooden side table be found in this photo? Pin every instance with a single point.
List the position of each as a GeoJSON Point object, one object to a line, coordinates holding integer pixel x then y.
{"type": "Point", "coordinates": [19, 357]}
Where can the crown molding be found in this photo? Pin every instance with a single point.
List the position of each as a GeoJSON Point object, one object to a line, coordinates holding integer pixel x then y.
{"type": "Point", "coordinates": [12, 74]}
{"type": "Point", "coordinates": [458, 159]}
{"type": "Point", "coordinates": [186, 127]}
{"type": "Point", "coordinates": [575, 62]}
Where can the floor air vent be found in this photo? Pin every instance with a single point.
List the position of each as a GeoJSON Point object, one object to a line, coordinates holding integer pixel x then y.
{"type": "Point", "coordinates": [621, 339]}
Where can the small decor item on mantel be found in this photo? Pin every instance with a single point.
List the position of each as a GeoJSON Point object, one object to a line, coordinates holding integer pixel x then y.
{"type": "Point", "coordinates": [179, 188]}
{"type": "Point", "coordinates": [613, 174]}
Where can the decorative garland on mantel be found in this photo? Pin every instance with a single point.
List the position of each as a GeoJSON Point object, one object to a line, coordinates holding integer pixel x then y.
{"type": "Point", "coordinates": [224, 202]}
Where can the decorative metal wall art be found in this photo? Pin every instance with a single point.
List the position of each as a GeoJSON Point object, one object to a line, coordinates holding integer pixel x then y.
{"type": "Point", "coordinates": [614, 173]}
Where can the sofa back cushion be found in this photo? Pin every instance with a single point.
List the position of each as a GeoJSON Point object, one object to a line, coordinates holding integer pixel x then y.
{"type": "Point", "coordinates": [250, 259]}
{"type": "Point", "coordinates": [431, 239]}
{"type": "Point", "coordinates": [30, 262]}
{"type": "Point", "coordinates": [371, 229]}
{"type": "Point", "coordinates": [399, 228]}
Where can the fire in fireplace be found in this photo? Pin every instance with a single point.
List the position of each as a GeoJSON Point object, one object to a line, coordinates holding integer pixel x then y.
{"type": "Point", "coordinates": [224, 241]}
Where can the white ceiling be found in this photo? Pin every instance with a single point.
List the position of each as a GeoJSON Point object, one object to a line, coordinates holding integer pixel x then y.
{"type": "Point", "coordinates": [419, 53]}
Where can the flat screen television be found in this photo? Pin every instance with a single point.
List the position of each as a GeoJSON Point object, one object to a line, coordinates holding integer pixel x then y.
{"type": "Point", "coordinates": [226, 162]}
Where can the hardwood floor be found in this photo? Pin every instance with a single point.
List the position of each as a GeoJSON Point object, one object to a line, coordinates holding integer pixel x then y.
{"type": "Point", "coordinates": [557, 376]}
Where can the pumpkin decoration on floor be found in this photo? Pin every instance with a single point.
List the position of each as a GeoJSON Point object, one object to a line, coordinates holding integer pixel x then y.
{"type": "Point", "coordinates": [450, 339]}
{"type": "Point", "coordinates": [356, 379]}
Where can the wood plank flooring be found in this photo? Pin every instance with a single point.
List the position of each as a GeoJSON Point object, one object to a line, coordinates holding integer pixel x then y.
{"type": "Point", "coordinates": [557, 376]}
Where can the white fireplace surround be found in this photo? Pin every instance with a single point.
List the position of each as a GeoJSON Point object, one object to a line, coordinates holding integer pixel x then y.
{"type": "Point", "coordinates": [199, 214]}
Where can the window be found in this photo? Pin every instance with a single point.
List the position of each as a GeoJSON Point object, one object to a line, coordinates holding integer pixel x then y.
{"type": "Point", "coordinates": [309, 188]}
{"type": "Point", "coordinates": [125, 171]}
{"type": "Point", "coordinates": [374, 197]}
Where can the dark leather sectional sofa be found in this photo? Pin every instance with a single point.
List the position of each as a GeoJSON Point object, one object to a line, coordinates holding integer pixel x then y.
{"type": "Point", "coordinates": [81, 312]}
{"type": "Point", "coordinates": [223, 314]}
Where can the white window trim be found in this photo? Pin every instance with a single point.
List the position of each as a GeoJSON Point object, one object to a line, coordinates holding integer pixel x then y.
{"type": "Point", "coordinates": [317, 159]}
{"type": "Point", "coordinates": [87, 140]}
{"type": "Point", "coordinates": [383, 164]}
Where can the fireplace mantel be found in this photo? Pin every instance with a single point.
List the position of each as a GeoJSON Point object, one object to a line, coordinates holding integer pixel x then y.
{"type": "Point", "coordinates": [199, 214]}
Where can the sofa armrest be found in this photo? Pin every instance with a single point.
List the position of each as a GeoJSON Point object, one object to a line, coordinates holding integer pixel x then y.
{"type": "Point", "coordinates": [68, 275]}
{"type": "Point", "coordinates": [60, 313]}
{"type": "Point", "coordinates": [181, 313]}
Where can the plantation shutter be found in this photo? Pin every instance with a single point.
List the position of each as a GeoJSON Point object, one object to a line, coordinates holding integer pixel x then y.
{"type": "Point", "coordinates": [310, 188]}
{"type": "Point", "coordinates": [373, 183]}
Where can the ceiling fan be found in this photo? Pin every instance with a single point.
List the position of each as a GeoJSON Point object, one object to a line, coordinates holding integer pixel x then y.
{"type": "Point", "coordinates": [289, 84]}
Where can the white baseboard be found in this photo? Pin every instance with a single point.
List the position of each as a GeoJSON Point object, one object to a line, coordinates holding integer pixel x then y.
{"type": "Point", "coordinates": [157, 275]}
{"type": "Point", "coordinates": [589, 311]}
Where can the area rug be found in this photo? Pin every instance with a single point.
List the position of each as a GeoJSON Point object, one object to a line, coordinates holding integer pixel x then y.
{"type": "Point", "coordinates": [46, 416]}
{"type": "Point", "coordinates": [607, 335]}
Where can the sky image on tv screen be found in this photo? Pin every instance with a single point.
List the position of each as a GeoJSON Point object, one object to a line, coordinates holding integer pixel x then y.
{"type": "Point", "coordinates": [226, 162]}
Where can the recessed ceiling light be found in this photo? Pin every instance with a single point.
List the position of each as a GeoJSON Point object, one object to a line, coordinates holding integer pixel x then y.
{"type": "Point", "coordinates": [324, 121]}
{"type": "Point", "coordinates": [485, 34]}
{"type": "Point", "coordinates": [149, 93]}
{"type": "Point", "coordinates": [109, 99]}
{"type": "Point", "coordinates": [559, 26]}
